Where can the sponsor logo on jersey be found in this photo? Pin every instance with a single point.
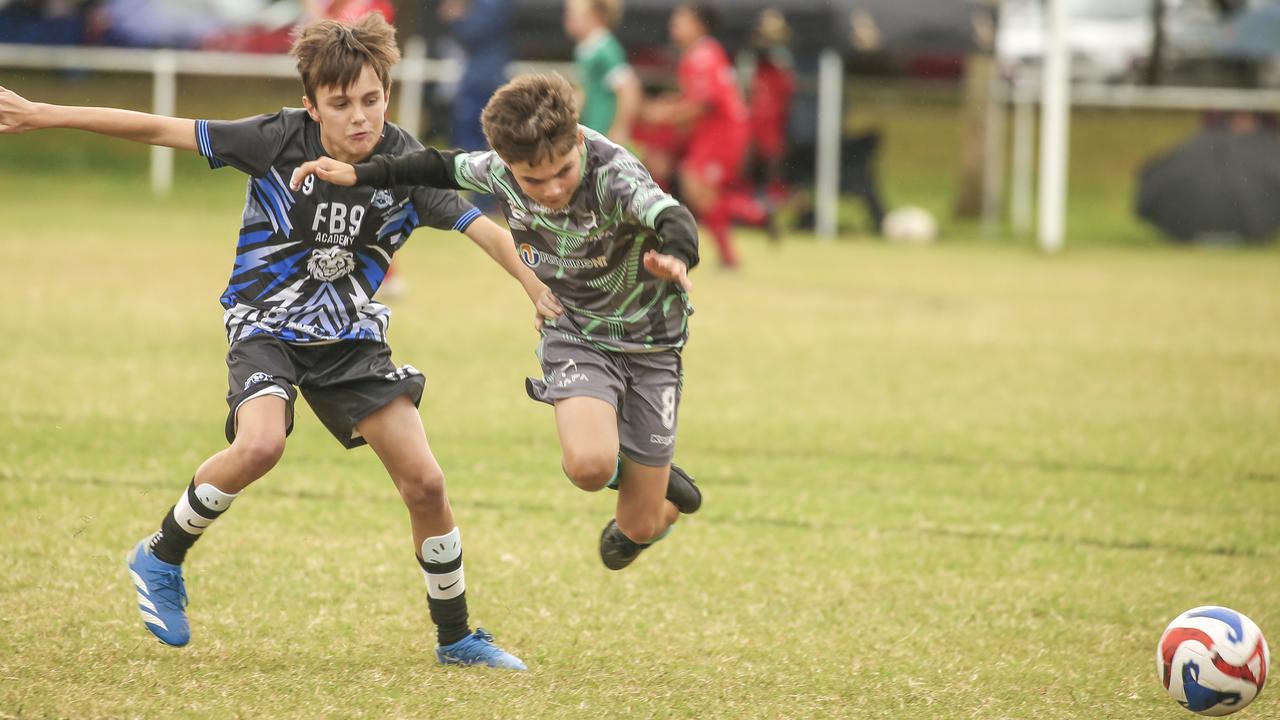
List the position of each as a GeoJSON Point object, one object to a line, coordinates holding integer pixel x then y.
{"type": "Point", "coordinates": [529, 255]}
{"type": "Point", "coordinates": [382, 199]}
{"type": "Point", "coordinates": [534, 257]}
{"type": "Point", "coordinates": [662, 439]}
{"type": "Point", "coordinates": [329, 264]}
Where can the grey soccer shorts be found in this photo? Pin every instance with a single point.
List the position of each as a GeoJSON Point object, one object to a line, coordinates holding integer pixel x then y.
{"type": "Point", "coordinates": [343, 382]}
{"type": "Point", "coordinates": [643, 388]}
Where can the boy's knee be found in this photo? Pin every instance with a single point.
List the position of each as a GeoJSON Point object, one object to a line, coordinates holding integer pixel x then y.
{"type": "Point", "coordinates": [589, 471]}
{"type": "Point", "coordinates": [259, 453]}
{"type": "Point", "coordinates": [423, 490]}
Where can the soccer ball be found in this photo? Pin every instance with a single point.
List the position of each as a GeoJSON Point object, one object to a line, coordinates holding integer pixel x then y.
{"type": "Point", "coordinates": [1212, 660]}
{"type": "Point", "coordinates": [910, 225]}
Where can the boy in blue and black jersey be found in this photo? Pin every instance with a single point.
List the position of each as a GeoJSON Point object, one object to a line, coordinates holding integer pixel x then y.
{"type": "Point", "coordinates": [300, 315]}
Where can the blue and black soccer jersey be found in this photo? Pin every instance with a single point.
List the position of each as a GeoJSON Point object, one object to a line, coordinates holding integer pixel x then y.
{"type": "Point", "coordinates": [308, 262]}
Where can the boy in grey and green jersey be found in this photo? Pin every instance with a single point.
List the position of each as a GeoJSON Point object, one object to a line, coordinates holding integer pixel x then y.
{"type": "Point", "coordinates": [590, 252]}
{"type": "Point", "coordinates": [615, 250]}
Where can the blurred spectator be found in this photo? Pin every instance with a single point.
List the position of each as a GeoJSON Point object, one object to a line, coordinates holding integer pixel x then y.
{"type": "Point", "coordinates": [772, 85]}
{"type": "Point", "coordinates": [273, 31]}
{"type": "Point", "coordinates": [160, 23]}
{"type": "Point", "coordinates": [772, 88]}
{"type": "Point", "coordinates": [346, 11]}
{"type": "Point", "coordinates": [1241, 121]}
{"type": "Point", "coordinates": [611, 92]}
{"type": "Point", "coordinates": [710, 102]}
{"type": "Point", "coordinates": [481, 28]}
{"type": "Point", "coordinates": [42, 22]}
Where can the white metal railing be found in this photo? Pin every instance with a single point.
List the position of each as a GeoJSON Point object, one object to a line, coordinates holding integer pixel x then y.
{"type": "Point", "coordinates": [165, 65]}
{"type": "Point", "coordinates": [412, 72]}
{"type": "Point", "coordinates": [1024, 96]}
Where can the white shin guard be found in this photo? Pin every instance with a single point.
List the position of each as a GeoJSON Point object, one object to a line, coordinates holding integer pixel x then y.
{"type": "Point", "coordinates": [199, 507]}
{"type": "Point", "coordinates": [442, 558]}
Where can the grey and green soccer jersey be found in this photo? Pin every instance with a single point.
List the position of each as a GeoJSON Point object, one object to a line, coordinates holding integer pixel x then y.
{"type": "Point", "coordinates": [589, 253]}
{"type": "Point", "coordinates": [602, 64]}
{"type": "Point", "coordinates": [309, 261]}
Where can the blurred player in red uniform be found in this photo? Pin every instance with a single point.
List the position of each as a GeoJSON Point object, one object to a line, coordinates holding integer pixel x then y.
{"type": "Point", "coordinates": [769, 111]}
{"type": "Point", "coordinates": [348, 11]}
{"type": "Point", "coordinates": [772, 88]}
{"type": "Point", "coordinates": [711, 104]}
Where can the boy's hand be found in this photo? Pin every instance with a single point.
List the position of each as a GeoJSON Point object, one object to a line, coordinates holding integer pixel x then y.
{"type": "Point", "coordinates": [327, 169]}
{"type": "Point", "coordinates": [547, 306]}
{"type": "Point", "coordinates": [17, 114]}
{"type": "Point", "coordinates": [667, 267]}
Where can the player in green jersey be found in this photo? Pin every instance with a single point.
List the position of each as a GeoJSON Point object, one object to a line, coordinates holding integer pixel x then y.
{"type": "Point", "coordinates": [611, 92]}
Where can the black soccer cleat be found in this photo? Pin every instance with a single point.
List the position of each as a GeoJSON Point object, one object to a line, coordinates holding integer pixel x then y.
{"type": "Point", "coordinates": [682, 491]}
{"type": "Point", "coordinates": [617, 550]}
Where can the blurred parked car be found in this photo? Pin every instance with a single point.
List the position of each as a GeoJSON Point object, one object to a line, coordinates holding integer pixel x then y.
{"type": "Point", "coordinates": [1112, 40]}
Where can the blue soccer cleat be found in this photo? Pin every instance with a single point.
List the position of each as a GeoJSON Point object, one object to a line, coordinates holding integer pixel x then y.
{"type": "Point", "coordinates": [478, 649]}
{"type": "Point", "coordinates": [162, 596]}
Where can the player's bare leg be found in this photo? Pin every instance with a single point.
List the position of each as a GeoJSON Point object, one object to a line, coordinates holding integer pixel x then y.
{"type": "Point", "coordinates": [155, 563]}
{"type": "Point", "coordinates": [588, 429]}
{"type": "Point", "coordinates": [589, 452]}
{"type": "Point", "coordinates": [643, 512]}
{"type": "Point", "coordinates": [396, 434]}
{"type": "Point", "coordinates": [709, 207]}
{"type": "Point", "coordinates": [258, 446]}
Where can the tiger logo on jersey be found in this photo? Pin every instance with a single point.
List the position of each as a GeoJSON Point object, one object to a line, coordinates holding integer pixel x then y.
{"type": "Point", "coordinates": [329, 264]}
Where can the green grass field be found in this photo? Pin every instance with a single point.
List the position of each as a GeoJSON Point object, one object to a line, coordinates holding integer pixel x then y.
{"type": "Point", "coordinates": [963, 481]}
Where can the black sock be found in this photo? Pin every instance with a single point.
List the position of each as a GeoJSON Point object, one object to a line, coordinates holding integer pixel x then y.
{"type": "Point", "coordinates": [450, 616]}
{"type": "Point", "coordinates": [187, 520]}
{"type": "Point", "coordinates": [172, 542]}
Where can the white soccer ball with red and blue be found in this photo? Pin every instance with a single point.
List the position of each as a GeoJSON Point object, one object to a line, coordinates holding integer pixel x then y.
{"type": "Point", "coordinates": [1212, 660]}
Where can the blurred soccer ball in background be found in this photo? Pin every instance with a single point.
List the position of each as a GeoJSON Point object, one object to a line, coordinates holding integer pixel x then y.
{"type": "Point", "coordinates": [910, 225]}
{"type": "Point", "coordinates": [1212, 660]}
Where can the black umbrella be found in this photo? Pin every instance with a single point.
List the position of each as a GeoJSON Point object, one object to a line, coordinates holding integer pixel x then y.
{"type": "Point", "coordinates": [1218, 184]}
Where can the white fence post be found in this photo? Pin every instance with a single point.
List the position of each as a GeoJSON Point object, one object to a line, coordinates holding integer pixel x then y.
{"type": "Point", "coordinates": [830, 120]}
{"type": "Point", "coordinates": [1055, 107]}
{"type": "Point", "coordinates": [412, 76]}
{"type": "Point", "coordinates": [993, 170]}
{"type": "Point", "coordinates": [1024, 149]}
{"type": "Point", "coordinates": [164, 101]}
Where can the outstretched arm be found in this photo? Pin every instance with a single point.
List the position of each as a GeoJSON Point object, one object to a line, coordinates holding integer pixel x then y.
{"type": "Point", "coordinates": [497, 242]}
{"type": "Point", "coordinates": [19, 115]}
{"type": "Point", "coordinates": [428, 167]}
{"type": "Point", "coordinates": [673, 109]}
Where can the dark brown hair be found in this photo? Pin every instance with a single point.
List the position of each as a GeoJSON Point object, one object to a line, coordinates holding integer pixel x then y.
{"type": "Point", "coordinates": [531, 119]}
{"type": "Point", "coordinates": [333, 54]}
